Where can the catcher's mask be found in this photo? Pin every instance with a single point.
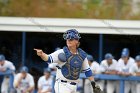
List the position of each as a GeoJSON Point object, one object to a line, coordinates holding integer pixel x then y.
{"type": "Point", "coordinates": [71, 34]}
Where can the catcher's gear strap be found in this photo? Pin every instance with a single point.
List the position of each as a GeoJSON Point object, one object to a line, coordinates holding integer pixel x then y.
{"type": "Point", "coordinates": [68, 54]}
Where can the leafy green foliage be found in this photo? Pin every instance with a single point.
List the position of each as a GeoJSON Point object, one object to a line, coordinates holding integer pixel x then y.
{"type": "Point", "coordinates": [102, 9]}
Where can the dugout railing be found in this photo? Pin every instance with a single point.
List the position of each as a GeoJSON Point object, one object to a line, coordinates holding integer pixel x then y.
{"type": "Point", "coordinates": [122, 79]}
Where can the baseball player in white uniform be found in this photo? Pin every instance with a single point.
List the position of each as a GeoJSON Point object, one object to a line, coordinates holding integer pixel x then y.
{"type": "Point", "coordinates": [4, 66]}
{"type": "Point", "coordinates": [123, 66]}
{"type": "Point", "coordinates": [71, 61]}
{"type": "Point", "coordinates": [24, 82]}
{"type": "Point", "coordinates": [108, 66]}
{"type": "Point", "coordinates": [45, 82]}
{"type": "Point", "coordinates": [135, 71]}
{"type": "Point", "coordinates": [95, 68]}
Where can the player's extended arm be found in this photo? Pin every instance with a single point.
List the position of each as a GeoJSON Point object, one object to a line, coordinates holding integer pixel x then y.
{"type": "Point", "coordinates": [30, 89]}
{"type": "Point", "coordinates": [17, 80]}
{"type": "Point", "coordinates": [47, 91]}
{"type": "Point", "coordinates": [136, 74]}
{"type": "Point", "coordinates": [43, 55]}
{"type": "Point", "coordinates": [40, 91]}
{"type": "Point", "coordinates": [16, 84]}
{"type": "Point", "coordinates": [113, 72]}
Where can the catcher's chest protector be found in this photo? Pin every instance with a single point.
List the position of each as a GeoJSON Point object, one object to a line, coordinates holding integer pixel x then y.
{"type": "Point", "coordinates": [72, 68]}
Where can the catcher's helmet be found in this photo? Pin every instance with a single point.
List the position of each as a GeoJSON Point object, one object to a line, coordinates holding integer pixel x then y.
{"type": "Point", "coordinates": [71, 34]}
{"type": "Point", "coordinates": [2, 57]}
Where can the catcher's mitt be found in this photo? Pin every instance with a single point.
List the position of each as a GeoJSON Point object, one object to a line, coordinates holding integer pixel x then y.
{"type": "Point", "coordinates": [96, 88]}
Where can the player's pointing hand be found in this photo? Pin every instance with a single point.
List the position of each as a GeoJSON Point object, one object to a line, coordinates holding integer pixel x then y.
{"type": "Point", "coordinates": [39, 52]}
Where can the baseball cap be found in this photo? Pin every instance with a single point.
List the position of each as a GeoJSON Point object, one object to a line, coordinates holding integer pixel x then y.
{"type": "Point", "coordinates": [24, 69]}
{"type": "Point", "coordinates": [57, 48]}
{"type": "Point", "coordinates": [137, 58]}
{"type": "Point", "coordinates": [125, 49]}
{"type": "Point", "coordinates": [2, 57]}
{"type": "Point", "coordinates": [108, 56]}
{"type": "Point", "coordinates": [125, 54]}
{"type": "Point", "coordinates": [90, 58]}
{"type": "Point", "coordinates": [47, 70]}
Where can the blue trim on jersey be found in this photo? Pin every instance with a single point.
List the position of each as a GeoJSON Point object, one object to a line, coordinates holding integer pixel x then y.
{"type": "Point", "coordinates": [49, 59]}
{"type": "Point", "coordinates": [88, 73]}
{"type": "Point", "coordinates": [86, 70]}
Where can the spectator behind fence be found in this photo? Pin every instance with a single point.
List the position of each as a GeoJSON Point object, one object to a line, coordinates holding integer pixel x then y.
{"type": "Point", "coordinates": [5, 66]}
{"type": "Point", "coordinates": [24, 82]}
{"type": "Point", "coordinates": [95, 67]}
{"type": "Point", "coordinates": [108, 66]}
{"type": "Point", "coordinates": [45, 82]}
{"type": "Point", "coordinates": [135, 71]}
{"type": "Point", "coordinates": [123, 66]}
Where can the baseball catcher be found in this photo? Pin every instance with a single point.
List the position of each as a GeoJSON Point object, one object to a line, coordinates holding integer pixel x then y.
{"type": "Point", "coordinates": [71, 61]}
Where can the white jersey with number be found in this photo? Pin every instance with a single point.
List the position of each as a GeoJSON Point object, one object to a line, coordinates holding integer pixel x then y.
{"type": "Point", "coordinates": [106, 67]}
{"type": "Point", "coordinates": [54, 59]}
{"type": "Point", "coordinates": [25, 83]}
{"type": "Point", "coordinates": [44, 84]}
{"type": "Point", "coordinates": [7, 65]}
{"type": "Point", "coordinates": [122, 67]}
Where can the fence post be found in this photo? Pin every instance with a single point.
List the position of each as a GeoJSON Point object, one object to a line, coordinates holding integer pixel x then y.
{"type": "Point", "coordinates": [23, 48]}
{"type": "Point", "coordinates": [122, 86]}
{"type": "Point", "coordinates": [100, 47]}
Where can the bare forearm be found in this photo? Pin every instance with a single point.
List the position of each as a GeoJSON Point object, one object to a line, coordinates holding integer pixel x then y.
{"type": "Point", "coordinates": [110, 72]}
{"type": "Point", "coordinates": [17, 83]}
{"type": "Point", "coordinates": [30, 89]}
{"type": "Point", "coordinates": [44, 91]}
{"type": "Point", "coordinates": [39, 90]}
{"type": "Point", "coordinates": [44, 57]}
{"type": "Point", "coordinates": [126, 74]}
{"type": "Point", "coordinates": [47, 91]}
{"type": "Point", "coordinates": [136, 74]}
{"type": "Point", "coordinates": [91, 78]}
